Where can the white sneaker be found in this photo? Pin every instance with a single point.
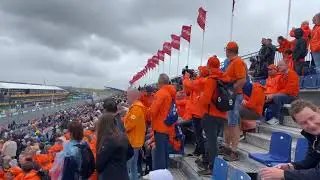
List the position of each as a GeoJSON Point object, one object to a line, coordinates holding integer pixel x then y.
{"type": "Point", "coordinates": [273, 121]}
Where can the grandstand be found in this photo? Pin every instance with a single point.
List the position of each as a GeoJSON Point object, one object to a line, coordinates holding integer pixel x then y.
{"type": "Point", "coordinates": [260, 141]}
{"type": "Point", "coordinates": [14, 94]}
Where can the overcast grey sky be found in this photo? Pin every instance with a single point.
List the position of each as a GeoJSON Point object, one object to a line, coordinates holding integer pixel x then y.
{"type": "Point", "coordinates": [104, 42]}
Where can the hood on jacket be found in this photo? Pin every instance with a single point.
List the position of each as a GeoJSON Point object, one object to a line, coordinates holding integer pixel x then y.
{"type": "Point", "coordinates": [218, 74]}
{"type": "Point", "coordinates": [298, 33]}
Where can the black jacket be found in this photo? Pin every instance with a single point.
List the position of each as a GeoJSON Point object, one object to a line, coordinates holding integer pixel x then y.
{"type": "Point", "coordinates": [267, 54]}
{"type": "Point", "coordinates": [300, 50]}
{"type": "Point", "coordinates": [112, 160]}
{"type": "Point", "coordinates": [309, 168]}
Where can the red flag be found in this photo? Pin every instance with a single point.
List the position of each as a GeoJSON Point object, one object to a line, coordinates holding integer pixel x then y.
{"type": "Point", "coordinates": [233, 3]}
{"type": "Point", "coordinates": [167, 48]}
{"type": "Point", "coordinates": [155, 60]}
{"type": "Point", "coordinates": [175, 41]}
{"type": "Point", "coordinates": [186, 33]}
{"type": "Point", "coordinates": [202, 16]}
{"type": "Point", "coordinates": [160, 55]}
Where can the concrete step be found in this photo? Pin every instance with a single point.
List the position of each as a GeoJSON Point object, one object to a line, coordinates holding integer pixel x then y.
{"type": "Point", "coordinates": [288, 121]}
{"type": "Point", "coordinates": [262, 140]}
{"type": "Point", "coordinates": [268, 129]}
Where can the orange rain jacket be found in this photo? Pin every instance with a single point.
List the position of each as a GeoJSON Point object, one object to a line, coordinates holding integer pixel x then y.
{"type": "Point", "coordinates": [210, 93]}
{"type": "Point", "coordinates": [271, 86]}
{"type": "Point", "coordinates": [285, 45]}
{"type": "Point", "coordinates": [135, 124]}
{"type": "Point", "coordinates": [160, 108]}
{"type": "Point", "coordinates": [289, 83]}
{"type": "Point", "coordinates": [256, 101]}
{"type": "Point", "coordinates": [315, 39]}
{"type": "Point", "coordinates": [32, 175]}
{"type": "Point", "coordinates": [306, 32]}
{"type": "Point", "coordinates": [193, 106]}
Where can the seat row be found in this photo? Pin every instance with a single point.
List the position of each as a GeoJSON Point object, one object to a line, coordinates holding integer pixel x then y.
{"type": "Point", "coordinates": [280, 150]}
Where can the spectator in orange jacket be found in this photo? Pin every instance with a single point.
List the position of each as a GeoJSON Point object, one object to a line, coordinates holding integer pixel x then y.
{"type": "Point", "coordinates": [195, 107]}
{"type": "Point", "coordinates": [306, 31]}
{"type": "Point", "coordinates": [284, 44]}
{"type": "Point", "coordinates": [252, 105]}
{"type": "Point", "coordinates": [214, 120]}
{"type": "Point", "coordinates": [288, 90]}
{"type": "Point", "coordinates": [135, 125]}
{"type": "Point", "coordinates": [315, 41]}
{"type": "Point", "coordinates": [13, 172]}
{"type": "Point", "coordinates": [181, 101]}
{"type": "Point", "coordinates": [159, 112]}
{"type": "Point", "coordinates": [147, 97]}
{"type": "Point", "coordinates": [272, 81]}
{"type": "Point", "coordinates": [28, 170]}
{"type": "Point", "coordinates": [287, 57]}
{"type": "Point", "coordinates": [237, 71]}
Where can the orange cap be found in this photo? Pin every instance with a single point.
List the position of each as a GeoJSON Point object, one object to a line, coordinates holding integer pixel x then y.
{"type": "Point", "coordinates": [213, 62]}
{"type": "Point", "coordinates": [272, 67]}
{"type": "Point", "coordinates": [232, 45]}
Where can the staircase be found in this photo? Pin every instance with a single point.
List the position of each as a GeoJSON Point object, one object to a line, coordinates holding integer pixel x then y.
{"type": "Point", "coordinates": [258, 142]}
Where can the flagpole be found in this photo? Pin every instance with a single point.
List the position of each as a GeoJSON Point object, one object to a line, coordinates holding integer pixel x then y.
{"type": "Point", "coordinates": [202, 48]}
{"type": "Point", "coordinates": [178, 63]}
{"type": "Point", "coordinates": [163, 66]}
{"type": "Point", "coordinates": [231, 29]}
{"type": "Point", "coordinates": [288, 20]}
{"type": "Point", "coordinates": [188, 53]}
{"type": "Point", "coordinates": [169, 66]}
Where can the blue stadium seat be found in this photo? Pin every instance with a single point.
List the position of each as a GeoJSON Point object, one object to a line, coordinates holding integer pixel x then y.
{"type": "Point", "coordinates": [300, 152]}
{"type": "Point", "coordinates": [311, 81]}
{"type": "Point", "coordinates": [239, 175]}
{"type": "Point", "coordinates": [301, 78]}
{"type": "Point", "coordinates": [220, 169]}
{"type": "Point", "coordinates": [279, 151]}
{"type": "Point", "coordinates": [301, 149]}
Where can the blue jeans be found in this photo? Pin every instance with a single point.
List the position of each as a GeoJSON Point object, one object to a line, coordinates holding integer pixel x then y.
{"type": "Point", "coordinates": [278, 101]}
{"type": "Point", "coordinates": [197, 125]}
{"type": "Point", "coordinates": [161, 154]}
{"type": "Point", "coordinates": [316, 59]}
{"type": "Point", "coordinates": [234, 115]}
{"type": "Point", "coordinates": [132, 165]}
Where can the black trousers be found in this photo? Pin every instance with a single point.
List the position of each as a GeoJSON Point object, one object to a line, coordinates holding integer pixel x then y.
{"type": "Point", "coordinates": [212, 126]}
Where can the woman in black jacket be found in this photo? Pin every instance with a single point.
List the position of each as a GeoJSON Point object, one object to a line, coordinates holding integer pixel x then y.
{"type": "Point", "coordinates": [113, 150]}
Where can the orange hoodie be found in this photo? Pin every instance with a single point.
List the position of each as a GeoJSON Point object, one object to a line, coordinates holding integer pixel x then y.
{"type": "Point", "coordinates": [135, 124]}
{"type": "Point", "coordinates": [285, 45]}
{"type": "Point", "coordinates": [43, 160]}
{"type": "Point", "coordinates": [32, 175]}
{"type": "Point", "coordinates": [272, 84]}
{"type": "Point", "coordinates": [210, 93]}
{"type": "Point", "coordinates": [306, 32]}
{"type": "Point", "coordinates": [256, 101]}
{"type": "Point", "coordinates": [289, 83]}
{"type": "Point", "coordinates": [160, 108]}
{"type": "Point", "coordinates": [315, 39]}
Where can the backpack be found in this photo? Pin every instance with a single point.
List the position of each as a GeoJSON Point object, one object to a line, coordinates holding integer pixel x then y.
{"type": "Point", "coordinates": [88, 162]}
{"type": "Point", "coordinates": [225, 99]}
{"type": "Point", "coordinates": [70, 167]}
{"type": "Point", "coordinates": [172, 115]}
